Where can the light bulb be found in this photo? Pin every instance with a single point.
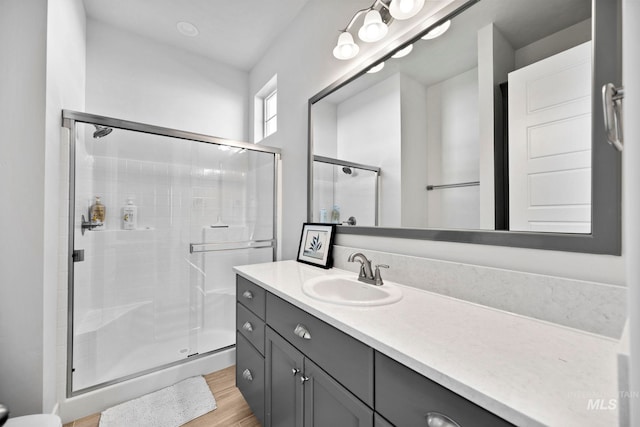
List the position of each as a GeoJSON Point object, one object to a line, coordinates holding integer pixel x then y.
{"type": "Point", "coordinates": [373, 29]}
{"type": "Point", "coordinates": [376, 68]}
{"type": "Point", "coordinates": [405, 9]}
{"type": "Point", "coordinates": [437, 31]}
{"type": "Point", "coordinates": [403, 52]}
{"type": "Point", "coordinates": [405, 5]}
{"type": "Point", "coordinates": [346, 48]}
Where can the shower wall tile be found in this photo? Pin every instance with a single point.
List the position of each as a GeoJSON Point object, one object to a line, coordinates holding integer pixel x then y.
{"type": "Point", "coordinates": [598, 308]}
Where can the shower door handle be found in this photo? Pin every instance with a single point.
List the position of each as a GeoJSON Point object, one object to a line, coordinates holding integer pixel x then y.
{"type": "Point", "coordinates": [78, 255]}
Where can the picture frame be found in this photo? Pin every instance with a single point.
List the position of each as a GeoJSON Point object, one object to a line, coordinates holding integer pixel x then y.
{"type": "Point", "coordinates": [316, 244]}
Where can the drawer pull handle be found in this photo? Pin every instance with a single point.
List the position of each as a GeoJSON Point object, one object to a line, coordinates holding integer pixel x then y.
{"type": "Point", "coordinates": [303, 379]}
{"type": "Point", "coordinates": [295, 371]}
{"type": "Point", "coordinates": [302, 332]}
{"type": "Point", "coordinates": [247, 327]}
{"type": "Point", "coordinates": [435, 419]}
{"type": "Point", "coordinates": [247, 294]}
{"type": "Point", "coordinates": [246, 374]}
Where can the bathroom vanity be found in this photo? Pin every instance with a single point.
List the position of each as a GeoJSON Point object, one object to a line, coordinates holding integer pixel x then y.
{"type": "Point", "coordinates": [426, 359]}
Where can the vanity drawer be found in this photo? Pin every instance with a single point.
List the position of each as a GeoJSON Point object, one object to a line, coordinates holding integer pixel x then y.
{"type": "Point", "coordinates": [250, 326]}
{"type": "Point", "coordinates": [250, 377]}
{"type": "Point", "coordinates": [346, 359]}
{"type": "Point", "coordinates": [251, 296]}
{"type": "Point", "coordinates": [405, 397]}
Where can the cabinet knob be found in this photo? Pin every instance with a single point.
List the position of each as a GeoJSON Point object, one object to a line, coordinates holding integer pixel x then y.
{"type": "Point", "coordinates": [302, 331]}
{"type": "Point", "coordinates": [303, 379]}
{"type": "Point", "coordinates": [435, 419]}
{"type": "Point", "coordinates": [246, 374]}
{"type": "Point", "coordinates": [247, 327]}
{"type": "Point", "coordinates": [247, 294]}
{"type": "Point", "coordinates": [295, 371]}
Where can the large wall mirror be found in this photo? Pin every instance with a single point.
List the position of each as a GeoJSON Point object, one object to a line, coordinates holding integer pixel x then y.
{"type": "Point", "coordinates": [488, 133]}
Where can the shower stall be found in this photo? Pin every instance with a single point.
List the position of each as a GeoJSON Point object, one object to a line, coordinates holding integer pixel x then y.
{"type": "Point", "coordinates": [156, 289]}
{"type": "Point", "coordinates": [351, 187]}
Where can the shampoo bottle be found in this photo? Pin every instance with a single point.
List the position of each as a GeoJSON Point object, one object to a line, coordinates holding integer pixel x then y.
{"type": "Point", "coordinates": [97, 214]}
{"type": "Point", "coordinates": [130, 215]}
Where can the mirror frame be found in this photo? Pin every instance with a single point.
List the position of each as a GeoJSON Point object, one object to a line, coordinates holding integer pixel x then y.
{"type": "Point", "coordinates": [606, 166]}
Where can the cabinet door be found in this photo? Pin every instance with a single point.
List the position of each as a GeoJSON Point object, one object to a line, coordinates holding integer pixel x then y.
{"type": "Point", "coordinates": [284, 395]}
{"type": "Point", "coordinates": [328, 404]}
{"type": "Point", "coordinates": [250, 377]}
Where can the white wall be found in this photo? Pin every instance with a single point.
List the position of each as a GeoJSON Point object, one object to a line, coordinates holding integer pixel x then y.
{"type": "Point", "coordinates": [413, 132]}
{"type": "Point", "coordinates": [43, 46]}
{"type": "Point", "coordinates": [66, 58]}
{"type": "Point", "coordinates": [369, 132]}
{"type": "Point", "coordinates": [453, 151]}
{"type": "Point", "coordinates": [22, 162]}
{"type": "Point", "coordinates": [555, 43]}
{"type": "Point", "coordinates": [133, 78]}
{"type": "Point", "coordinates": [312, 68]}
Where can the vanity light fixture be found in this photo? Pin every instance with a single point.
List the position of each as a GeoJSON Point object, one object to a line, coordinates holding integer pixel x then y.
{"type": "Point", "coordinates": [437, 31]}
{"type": "Point", "coordinates": [403, 52]}
{"type": "Point", "coordinates": [376, 68]}
{"type": "Point", "coordinates": [377, 19]}
{"type": "Point", "coordinates": [405, 9]}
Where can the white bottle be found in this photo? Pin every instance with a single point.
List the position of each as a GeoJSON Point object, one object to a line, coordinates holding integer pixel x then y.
{"type": "Point", "coordinates": [130, 215]}
{"type": "Point", "coordinates": [323, 216]}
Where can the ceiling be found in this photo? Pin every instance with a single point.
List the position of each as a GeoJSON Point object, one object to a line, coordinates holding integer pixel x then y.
{"type": "Point", "coordinates": [233, 32]}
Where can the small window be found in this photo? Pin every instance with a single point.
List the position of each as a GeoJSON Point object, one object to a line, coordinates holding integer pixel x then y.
{"type": "Point", "coordinates": [265, 110]}
{"type": "Point", "coordinates": [270, 113]}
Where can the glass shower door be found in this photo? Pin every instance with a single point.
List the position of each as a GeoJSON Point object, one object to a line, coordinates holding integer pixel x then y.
{"type": "Point", "coordinates": [232, 223]}
{"type": "Point", "coordinates": [162, 290]}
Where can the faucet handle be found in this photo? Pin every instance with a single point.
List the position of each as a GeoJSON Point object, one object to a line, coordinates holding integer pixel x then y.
{"type": "Point", "coordinates": [377, 276]}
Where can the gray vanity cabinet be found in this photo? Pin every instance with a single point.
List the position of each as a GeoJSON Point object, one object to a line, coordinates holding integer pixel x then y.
{"type": "Point", "coordinates": [299, 393]}
{"type": "Point", "coordinates": [295, 370]}
{"type": "Point", "coordinates": [406, 398]}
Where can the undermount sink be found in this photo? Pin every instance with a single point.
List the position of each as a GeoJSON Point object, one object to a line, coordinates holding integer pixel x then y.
{"type": "Point", "coordinates": [347, 290]}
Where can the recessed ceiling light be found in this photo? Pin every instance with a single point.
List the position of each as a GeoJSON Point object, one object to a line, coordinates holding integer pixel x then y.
{"type": "Point", "coordinates": [187, 29]}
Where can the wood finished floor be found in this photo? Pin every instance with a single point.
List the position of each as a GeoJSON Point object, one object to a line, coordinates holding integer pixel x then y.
{"type": "Point", "coordinates": [232, 410]}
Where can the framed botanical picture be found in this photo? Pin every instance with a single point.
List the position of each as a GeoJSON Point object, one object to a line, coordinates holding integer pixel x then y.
{"type": "Point", "coordinates": [316, 244]}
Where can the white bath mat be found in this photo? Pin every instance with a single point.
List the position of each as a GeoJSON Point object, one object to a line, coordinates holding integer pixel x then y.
{"type": "Point", "coordinates": [170, 407]}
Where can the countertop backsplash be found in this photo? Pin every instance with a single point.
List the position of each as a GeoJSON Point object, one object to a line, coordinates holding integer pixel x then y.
{"type": "Point", "coordinates": [598, 308]}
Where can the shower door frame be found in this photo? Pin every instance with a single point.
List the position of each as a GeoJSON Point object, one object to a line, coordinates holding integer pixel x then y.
{"type": "Point", "coordinates": [69, 120]}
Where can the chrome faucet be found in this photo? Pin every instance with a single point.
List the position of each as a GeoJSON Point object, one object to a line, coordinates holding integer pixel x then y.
{"type": "Point", "coordinates": [366, 274]}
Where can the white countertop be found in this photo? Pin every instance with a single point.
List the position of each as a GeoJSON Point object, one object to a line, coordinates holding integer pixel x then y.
{"type": "Point", "coordinates": [529, 372]}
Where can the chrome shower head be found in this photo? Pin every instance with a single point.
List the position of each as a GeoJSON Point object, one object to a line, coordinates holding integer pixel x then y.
{"type": "Point", "coordinates": [101, 131]}
{"type": "Point", "coordinates": [347, 170]}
